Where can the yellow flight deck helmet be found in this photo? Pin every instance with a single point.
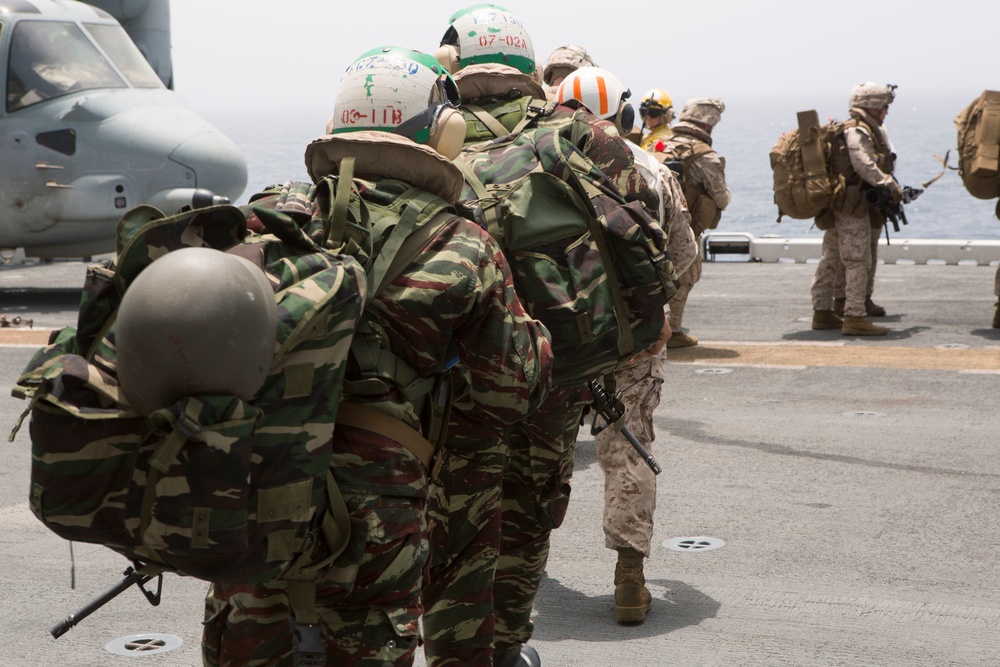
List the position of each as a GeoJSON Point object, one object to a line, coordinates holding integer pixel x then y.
{"type": "Point", "coordinates": [656, 102]}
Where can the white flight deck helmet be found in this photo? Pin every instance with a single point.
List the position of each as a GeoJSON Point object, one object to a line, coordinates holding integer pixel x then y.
{"type": "Point", "coordinates": [392, 89]}
{"type": "Point", "coordinates": [486, 34]}
{"type": "Point", "coordinates": [602, 93]}
{"type": "Point", "coordinates": [197, 321]}
{"type": "Point", "coordinates": [872, 96]}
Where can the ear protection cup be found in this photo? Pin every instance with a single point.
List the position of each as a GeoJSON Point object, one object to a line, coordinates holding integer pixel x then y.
{"type": "Point", "coordinates": [448, 134]}
{"type": "Point", "coordinates": [624, 120]}
{"type": "Point", "coordinates": [447, 55]}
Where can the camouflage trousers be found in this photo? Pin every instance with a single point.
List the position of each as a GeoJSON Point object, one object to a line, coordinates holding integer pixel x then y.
{"type": "Point", "coordinates": [848, 242]}
{"type": "Point", "coordinates": [493, 506]}
{"type": "Point", "coordinates": [687, 281]}
{"type": "Point", "coordinates": [464, 525]}
{"type": "Point", "coordinates": [536, 489]}
{"type": "Point", "coordinates": [369, 602]}
{"type": "Point", "coordinates": [839, 284]}
{"type": "Point", "coordinates": [996, 283]}
{"type": "Point", "coordinates": [629, 484]}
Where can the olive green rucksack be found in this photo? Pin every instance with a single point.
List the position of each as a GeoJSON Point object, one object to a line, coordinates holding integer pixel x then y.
{"type": "Point", "coordinates": [592, 267]}
{"type": "Point", "coordinates": [979, 146]}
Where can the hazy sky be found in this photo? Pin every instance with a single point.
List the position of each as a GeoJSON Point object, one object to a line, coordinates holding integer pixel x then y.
{"type": "Point", "coordinates": [230, 53]}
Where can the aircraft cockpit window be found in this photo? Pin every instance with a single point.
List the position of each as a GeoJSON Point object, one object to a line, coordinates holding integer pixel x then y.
{"type": "Point", "coordinates": [52, 58]}
{"type": "Point", "coordinates": [125, 54]}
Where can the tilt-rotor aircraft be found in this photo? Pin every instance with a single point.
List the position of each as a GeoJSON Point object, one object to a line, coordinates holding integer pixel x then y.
{"type": "Point", "coordinates": [88, 129]}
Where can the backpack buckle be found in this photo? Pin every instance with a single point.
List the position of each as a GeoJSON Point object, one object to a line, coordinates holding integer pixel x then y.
{"type": "Point", "coordinates": [309, 649]}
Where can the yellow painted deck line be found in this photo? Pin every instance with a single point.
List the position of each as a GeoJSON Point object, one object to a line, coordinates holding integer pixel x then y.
{"type": "Point", "coordinates": [862, 356]}
{"type": "Point", "coordinates": [15, 336]}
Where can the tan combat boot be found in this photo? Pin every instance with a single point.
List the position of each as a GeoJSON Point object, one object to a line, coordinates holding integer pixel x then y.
{"type": "Point", "coordinates": [873, 309]}
{"type": "Point", "coordinates": [859, 326]}
{"type": "Point", "coordinates": [632, 600]}
{"type": "Point", "coordinates": [838, 305]}
{"type": "Point", "coordinates": [680, 339]}
{"type": "Point", "coordinates": [826, 319]}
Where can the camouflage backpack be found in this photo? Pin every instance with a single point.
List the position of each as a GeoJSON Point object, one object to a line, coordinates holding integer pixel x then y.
{"type": "Point", "coordinates": [800, 163]}
{"type": "Point", "coordinates": [979, 146]}
{"type": "Point", "coordinates": [213, 486]}
{"type": "Point", "coordinates": [591, 267]}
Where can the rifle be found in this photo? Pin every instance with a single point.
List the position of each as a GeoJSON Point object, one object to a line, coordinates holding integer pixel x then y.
{"type": "Point", "coordinates": [612, 410]}
{"type": "Point", "coordinates": [131, 577]}
{"type": "Point", "coordinates": [880, 198]}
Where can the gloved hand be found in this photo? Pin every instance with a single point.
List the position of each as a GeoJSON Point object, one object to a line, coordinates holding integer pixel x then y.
{"type": "Point", "coordinates": [895, 195]}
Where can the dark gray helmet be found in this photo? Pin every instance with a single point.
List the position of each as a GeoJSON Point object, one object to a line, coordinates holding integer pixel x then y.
{"type": "Point", "coordinates": [196, 321]}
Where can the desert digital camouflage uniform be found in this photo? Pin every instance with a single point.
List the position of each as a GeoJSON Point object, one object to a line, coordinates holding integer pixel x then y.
{"type": "Point", "coordinates": [455, 299]}
{"type": "Point", "coordinates": [704, 185]}
{"type": "Point", "coordinates": [629, 484]}
{"type": "Point", "coordinates": [462, 617]}
{"type": "Point", "coordinates": [851, 243]}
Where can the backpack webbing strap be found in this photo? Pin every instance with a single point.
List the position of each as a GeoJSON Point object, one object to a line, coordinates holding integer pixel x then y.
{"type": "Point", "coordinates": [813, 157]}
{"type": "Point", "coordinates": [484, 197]}
{"type": "Point", "coordinates": [165, 455]}
{"type": "Point", "coordinates": [341, 204]}
{"type": "Point", "coordinates": [376, 421]}
{"type": "Point", "coordinates": [404, 244]}
{"type": "Point", "coordinates": [626, 341]}
{"type": "Point", "coordinates": [487, 119]}
{"type": "Point", "coordinates": [534, 110]}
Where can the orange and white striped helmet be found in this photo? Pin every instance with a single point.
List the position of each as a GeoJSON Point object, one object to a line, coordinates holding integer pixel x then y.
{"type": "Point", "coordinates": [601, 92]}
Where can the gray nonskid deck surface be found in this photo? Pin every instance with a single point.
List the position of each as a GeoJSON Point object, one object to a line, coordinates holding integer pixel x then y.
{"type": "Point", "coordinates": [857, 503]}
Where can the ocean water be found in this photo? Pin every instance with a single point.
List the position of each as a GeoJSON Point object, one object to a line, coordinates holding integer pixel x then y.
{"type": "Point", "coordinates": [274, 142]}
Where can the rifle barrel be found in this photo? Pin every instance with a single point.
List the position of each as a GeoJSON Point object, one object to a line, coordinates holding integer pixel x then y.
{"type": "Point", "coordinates": [131, 578]}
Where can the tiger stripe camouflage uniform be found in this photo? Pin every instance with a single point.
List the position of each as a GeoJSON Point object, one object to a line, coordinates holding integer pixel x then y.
{"type": "Point", "coordinates": [629, 484]}
{"type": "Point", "coordinates": [460, 617]}
{"type": "Point", "coordinates": [455, 298]}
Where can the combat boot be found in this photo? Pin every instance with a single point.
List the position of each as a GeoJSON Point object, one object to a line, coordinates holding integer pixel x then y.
{"type": "Point", "coordinates": [838, 305]}
{"type": "Point", "coordinates": [996, 317]}
{"type": "Point", "coordinates": [826, 319]}
{"type": "Point", "coordinates": [680, 339]}
{"type": "Point", "coordinates": [859, 326]}
{"type": "Point", "coordinates": [632, 600]}
{"type": "Point", "coordinates": [521, 655]}
{"type": "Point", "coordinates": [873, 309]}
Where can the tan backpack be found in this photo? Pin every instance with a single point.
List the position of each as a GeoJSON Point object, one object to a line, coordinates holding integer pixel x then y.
{"type": "Point", "coordinates": [803, 183]}
{"type": "Point", "coordinates": [979, 145]}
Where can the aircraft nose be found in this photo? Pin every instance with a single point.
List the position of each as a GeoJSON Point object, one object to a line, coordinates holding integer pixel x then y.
{"type": "Point", "coordinates": [216, 161]}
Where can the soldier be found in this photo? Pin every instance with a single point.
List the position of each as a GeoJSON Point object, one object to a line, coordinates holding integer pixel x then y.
{"type": "Point", "coordinates": [863, 157]}
{"type": "Point", "coordinates": [656, 110]}
{"type": "Point", "coordinates": [564, 60]}
{"type": "Point", "coordinates": [703, 180]}
{"type": "Point", "coordinates": [453, 303]}
{"type": "Point", "coordinates": [536, 481]}
{"type": "Point", "coordinates": [629, 484]}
